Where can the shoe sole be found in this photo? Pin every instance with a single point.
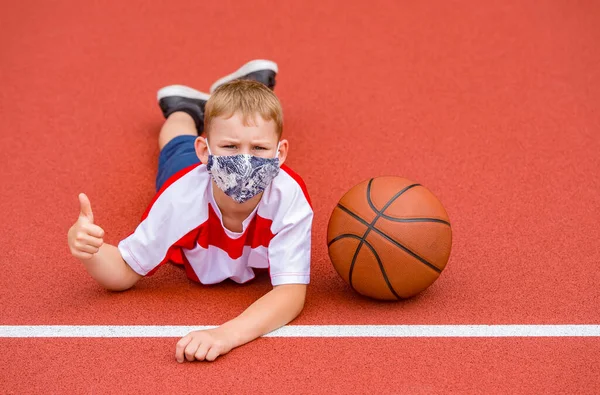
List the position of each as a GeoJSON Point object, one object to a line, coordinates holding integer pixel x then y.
{"type": "Point", "coordinates": [181, 91]}
{"type": "Point", "coordinates": [250, 67]}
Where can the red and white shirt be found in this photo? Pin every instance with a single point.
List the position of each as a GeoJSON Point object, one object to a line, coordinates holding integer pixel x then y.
{"type": "Point", "coordinates": [183, 224]}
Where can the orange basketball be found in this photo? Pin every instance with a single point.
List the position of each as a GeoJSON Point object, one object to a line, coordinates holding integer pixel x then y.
{"type": "Point", "coordinates": [389, 238]}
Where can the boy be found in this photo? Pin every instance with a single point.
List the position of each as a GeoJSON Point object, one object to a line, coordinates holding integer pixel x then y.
{"type": "Point", "coordinates": [225, 204]}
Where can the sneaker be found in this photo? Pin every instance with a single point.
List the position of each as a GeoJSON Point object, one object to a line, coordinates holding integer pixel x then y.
{"type": "Point", "coordinates": [183, 98]}
{"type": "Point", "coordinates": [263, 71]}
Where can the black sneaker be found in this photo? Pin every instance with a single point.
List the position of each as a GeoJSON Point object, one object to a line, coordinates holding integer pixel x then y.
{"type": "Point", "coordinates": [263, 71]}
{"type": "Point", "coordinates": [183, 98]}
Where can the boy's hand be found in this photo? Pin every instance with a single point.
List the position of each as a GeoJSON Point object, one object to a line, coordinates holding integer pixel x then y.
{"type": "Point", "coordinates": [203, 345]}
{"type": "Point", "coordinates": [85, 238]}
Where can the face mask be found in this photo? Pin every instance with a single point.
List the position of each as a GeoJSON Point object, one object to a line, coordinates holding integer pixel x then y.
{"type": "Point", "coordinates": [242, 176]}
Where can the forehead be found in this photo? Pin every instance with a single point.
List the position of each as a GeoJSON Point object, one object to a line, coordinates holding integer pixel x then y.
{"type": "Point", "coordinates": [234, 127]}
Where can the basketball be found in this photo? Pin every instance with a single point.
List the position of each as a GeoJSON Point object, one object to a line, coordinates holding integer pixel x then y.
{"type": "Point", "coordinates": [389, 238]}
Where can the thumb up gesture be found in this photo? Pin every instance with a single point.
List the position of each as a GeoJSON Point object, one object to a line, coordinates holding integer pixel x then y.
{"type": "Point", "coordinates": [85, 238]}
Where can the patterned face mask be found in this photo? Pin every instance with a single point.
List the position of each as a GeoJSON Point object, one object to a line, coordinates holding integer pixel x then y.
{"type": "Point", "coordinates": [242, 176]}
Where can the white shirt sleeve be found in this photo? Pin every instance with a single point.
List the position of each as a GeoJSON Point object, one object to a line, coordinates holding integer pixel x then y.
{"type": "Point", "coordinates": [146, 247]}
{"type": "Point", "coordinates": [290, 249]}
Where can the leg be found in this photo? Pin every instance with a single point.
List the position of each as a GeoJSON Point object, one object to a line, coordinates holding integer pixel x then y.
{"type": "Point", "coordinates": [177, 150]}
{"type": "Point", "coordinates": [183, 109]}
{"type": "Point", "coordinates": [177, 124]}
{"type": "Point", "coordinates": [181, 98]}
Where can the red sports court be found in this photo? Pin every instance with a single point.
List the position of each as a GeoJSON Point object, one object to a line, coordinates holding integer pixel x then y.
{"type": "Point", "coordinates": [493, 107]}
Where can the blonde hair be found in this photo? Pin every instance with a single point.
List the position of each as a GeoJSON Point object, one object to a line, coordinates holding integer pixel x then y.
{"type": "Point", "coordinates": [249, 98]}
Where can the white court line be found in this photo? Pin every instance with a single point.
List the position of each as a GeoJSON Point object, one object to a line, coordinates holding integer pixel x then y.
{"type": "Point", "coordinates": [22, 331]}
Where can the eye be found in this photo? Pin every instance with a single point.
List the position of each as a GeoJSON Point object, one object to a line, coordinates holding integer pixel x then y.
{"type": "Point", "coordinates": [231, 146]}
{"type": "Point", "coordinates": [259, 148]}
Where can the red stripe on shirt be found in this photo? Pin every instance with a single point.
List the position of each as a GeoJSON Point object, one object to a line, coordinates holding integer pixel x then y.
{"type": "Point", "coordinates": [300, 182]}
{"type": "Point", "coordinates": [211, 233]}
{"type": "Point", "coordinates": [258, 233]}
{"type": "Point", "coordinates": [175, 253]}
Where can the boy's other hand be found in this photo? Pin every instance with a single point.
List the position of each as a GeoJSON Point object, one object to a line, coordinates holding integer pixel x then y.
{"type": "Point", "coordinates": [203, 345]}
{"type": "Point", "coordinates": [85, 238]}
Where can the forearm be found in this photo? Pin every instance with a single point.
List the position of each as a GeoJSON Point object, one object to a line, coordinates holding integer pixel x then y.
{"type": "Point", "coordinates": [272, 311]}
{"type": "Point", "coordinates": [109, 269]}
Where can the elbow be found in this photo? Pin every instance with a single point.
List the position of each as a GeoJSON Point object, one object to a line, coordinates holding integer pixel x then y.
{"type": "Point", "coordinates": [117, 286]}
{"type": "Point", "coordinates": [296, 309]}
{"type": "Point", "coordinates": [300, 304]}
{"type": "Point", "coordinates": [297, 298]}
{"type": "Point", "coordinates": [120, 284]}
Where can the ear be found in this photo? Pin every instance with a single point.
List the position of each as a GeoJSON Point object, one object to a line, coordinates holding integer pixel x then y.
{"type": "Point", "coordinates": [284, 147]}
{"type": "Point", "coordinates": [201, 149]}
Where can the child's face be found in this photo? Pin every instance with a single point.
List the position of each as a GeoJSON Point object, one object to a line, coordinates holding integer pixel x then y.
{"type": "Point", "coordinates": [231, 137]}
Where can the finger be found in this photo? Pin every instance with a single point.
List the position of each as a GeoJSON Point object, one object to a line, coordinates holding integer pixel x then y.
{"type": "Point", "coordinates": [85, 207]}
{"type": "Point", "coordinates": [93, 230]}
{"type": "Point", "coordinates": [180, 348]}
{"type": "Point", "coordinates": [213, 353]}
{"type": "Point", "coordinates": [87, 240]}
{"type": "Point", "coordinates": [87, 249]}
{"type": "Point", "coordinates": [202, 350]}
{"type": "Point", "coordinates": [190, 349]}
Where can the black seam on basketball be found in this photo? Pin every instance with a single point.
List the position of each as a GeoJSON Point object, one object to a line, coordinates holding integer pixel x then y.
{"type": "Point", "coordinates": [399, 219]}
{"type": "Point", "coordinates": [380, 213]}
{"type": "Point", "coordinates": [362, 239]}
{"type": "Point", "coordinates": [396, 196]}
{"type": "Point", "coordinates": [351, 268]}
{"type": "Point", "coordinates": [439, 221]}
{"type": "Point", "coordinates": [341, 237]}
{"type": "Point", "coordinates": [385, 277]}
{"type": "Point", "coordinates": [432, 266]}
